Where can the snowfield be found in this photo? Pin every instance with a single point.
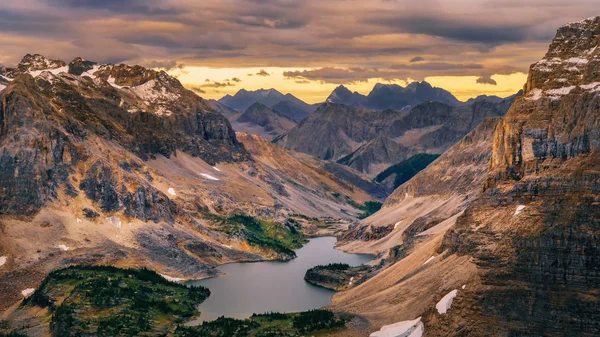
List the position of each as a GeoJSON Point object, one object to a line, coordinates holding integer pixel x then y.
{"type": "Point", "coordinates": [209, 177]}
{"type": "Point", "coordinates": [429, 260]}
{"type": "Point", "coordinates": [3, 260]}
{"type": "Point", "coordinates": [446, 302]}
{"type": "Point", "coordinates": [520, 209]}
{"type": "Point", "coordinates": [172, 279]}
{"type": "Point", "coordinates": [412, 328]}
{"type": "Point", "coordinates": [171, 191]}
{"type": "Point", "coordinates": [27, 292]}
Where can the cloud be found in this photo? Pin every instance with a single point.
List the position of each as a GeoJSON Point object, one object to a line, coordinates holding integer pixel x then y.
{"type": "Point", "coordinates": [235, 79]}
{"type": "Point", "coordinates": [394, 72]}
{"type": "Point", "coordinates": [486, 80]}
{"type": "Point", "coordinates": [218, 84]}
{"type": "Point", "coordinates": [453, 37]}
{"type": "Point", "coordinates": [195, 88]}
{"type": "Point", "coordinates": [262, 72]}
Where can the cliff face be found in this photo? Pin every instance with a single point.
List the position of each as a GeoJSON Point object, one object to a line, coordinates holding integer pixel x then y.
{"type": "Point", "coordinates": [48, 124]}
{"type": "Point", "coordinates": [535, 231]}
{"type": "Point", "coordinates": [523, 257]}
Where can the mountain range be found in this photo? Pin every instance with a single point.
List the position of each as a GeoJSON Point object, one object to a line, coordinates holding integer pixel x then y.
{"type": "Point", "coordinates": [371, 141]}
{"type": "Point", "coordinates": [287, 104]}
{"type": "Point", "coordinates": [393, 96]}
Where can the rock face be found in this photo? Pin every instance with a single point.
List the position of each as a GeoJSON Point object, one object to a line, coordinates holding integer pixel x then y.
{"type": "Point", "coordinates": [371, 141]}
{"type": "Point", "coordinates": [49, 122]}
{"type": "Point", "coordinates": [393, 96]}
{"type": "Point", "coordinates": [523, 256]}
{"type": "Point", "coordinates": [543, 276]}
{"type": "Point", "coordinates": [288, 105]}
{"type": "Point", "coordinates": [264, 121]}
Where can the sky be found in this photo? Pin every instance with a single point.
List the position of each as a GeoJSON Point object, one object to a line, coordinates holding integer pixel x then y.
{"type": "Point", "coordinates": [305, 47]}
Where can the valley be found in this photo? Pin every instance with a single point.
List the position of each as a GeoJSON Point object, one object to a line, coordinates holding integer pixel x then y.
{"type": "Point", "coordinates": [132, 206]}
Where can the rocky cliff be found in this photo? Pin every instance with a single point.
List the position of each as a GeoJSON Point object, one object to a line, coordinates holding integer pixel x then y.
{"type": "Point", "coordinates": [522, 260]}
{"type": "Point", "coordinates": [541, 198]}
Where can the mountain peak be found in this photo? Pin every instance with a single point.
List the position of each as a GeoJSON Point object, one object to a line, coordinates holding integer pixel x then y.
{"type": "Point", "coordinates": [38, 63]}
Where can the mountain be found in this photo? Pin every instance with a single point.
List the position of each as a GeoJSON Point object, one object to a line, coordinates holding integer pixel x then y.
{"type": "Point", "coordinates": [261, 120]}
{"type": "Point", "coordinates": [493, 99]}
{"type": "Point", "coordinates": [402, 172]}
{"type": "Point", "coordinates": [393, 96]}
{"type": "Point", "coordinates": [287, 104]}
{"type": "Point", "coordinates": [343, 95]}
{"type": "Point", "coordinates": [520, 258]}
{"type": "Point", "coordinates": [121, 165]}
{"type": "Point", "coordinates": [223, 109]}
{"type": "Point", "coordinates": [371, 141]}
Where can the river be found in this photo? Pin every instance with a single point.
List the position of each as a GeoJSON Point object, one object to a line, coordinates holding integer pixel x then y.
{"type": "Point", "coordinates": [258, 287]}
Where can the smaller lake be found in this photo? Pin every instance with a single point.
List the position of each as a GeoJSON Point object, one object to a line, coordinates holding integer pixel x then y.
{"type": "Point", "coordinates": [258, 287]}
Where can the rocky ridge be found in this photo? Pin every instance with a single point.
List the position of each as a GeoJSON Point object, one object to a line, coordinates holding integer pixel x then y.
{"type": "Point", "coordinates": [371, 141]}
{"type": "Point", "coordinates": [288, 105]}
{"type": "Point", "coordinates": [262, 120]}
{"type": "Point", "coordinates": [393, 96]}
{"type": "Point", "coordinates": [521, 258]}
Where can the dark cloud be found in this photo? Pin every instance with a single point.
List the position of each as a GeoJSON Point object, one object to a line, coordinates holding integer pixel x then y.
{"type": "Point", "coordinates": [394, 72]}
{"type": "Point", "coordinates": [145, 7]}
{"type": "Point", "coordinates": [218, 84]}
{"type": "Point", "coordinates": [362, 38]}
{"type": "Point", "coordinates": [195, 88]}
{"type": "Point", "coordinates": [262, 72]}
{"type": "Point", "coordinates": [235, 79]}
{"type": "Point", "coordinates": [340, 75]}
{"type": "Point", "coordinates": [486, 80]}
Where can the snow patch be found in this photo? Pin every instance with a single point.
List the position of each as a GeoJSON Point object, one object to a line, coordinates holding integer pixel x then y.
{"type": "Point", "coordinates": [577, 60]}
{"type": "Point", "coordinates": [535, 95]}
{"type": "Point", "coordinates": [429, 260]}
{"type": "Point", "coordinates": [3, 260]}
{"type": "Point", "coordinates": [2, 87]}
{"type": "Point", "coordinates": [90, 73]}
{"type": "Point", "coordinates": [412, 328]}
{"type": "Point", "coordinates": [171, 191]}
{"type": "Point", "coordinates": [590, 86]}
{"type": "Point", "coordinates": [561, 91]}
{"type": "Point", "coordinates": [520, 209]}
{"type": "Point", "coordinates": [27, 292]}
{"type": "Point", "coordinates": [446, 302]}
{"type": "Point", "coordinates": [464, 286]}
{"type": "Point", "coordinates": [56, 71]}
{"type": "Point", "coordinates": [397, 224]}
{"type": "Point", "coordinates": [111, 81]}
{"type": "Point", "coordinates": [216, 169]}
{"type": "Point", "coordinates": [79, 220]}
{"type": "Point", "coordinates": [208, 176]}
{"type": "Point", "coordinates": [63, 248]}
{"type": "Point", "coordinates": [172, 279]}
{"type": "Point", "coordinates": [351, 280]}
{"type": "Point", "coordinates": [115, 221]}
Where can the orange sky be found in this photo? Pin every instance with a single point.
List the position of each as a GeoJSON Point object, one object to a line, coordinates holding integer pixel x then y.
{"type": "Point", "coordinates": [308, 47]}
